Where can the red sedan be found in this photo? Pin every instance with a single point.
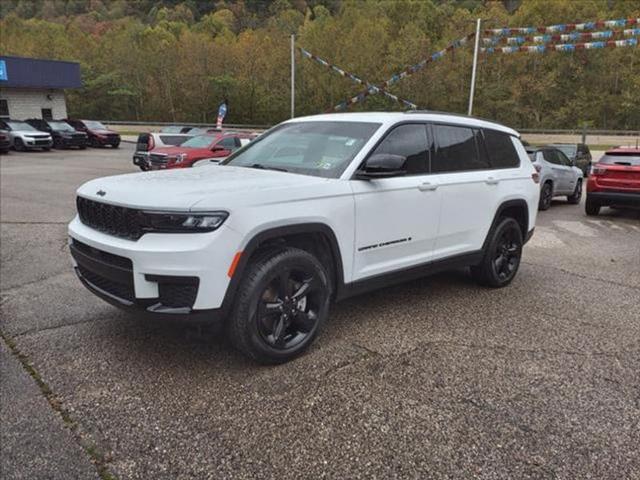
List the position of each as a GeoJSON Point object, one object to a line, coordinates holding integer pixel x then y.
{"type": "Point", "coordinates": [213, 147]}
{"type": "Point", "coordinates": [614, 180]}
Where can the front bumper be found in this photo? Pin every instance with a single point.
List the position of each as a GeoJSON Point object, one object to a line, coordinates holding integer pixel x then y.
{"type": "Point", "coordinates": [615, 198]}
{"type": "Point", "coordinates": [168, 275]}
{"type": "Point", "coordinates": [113, 141]}
{"type": "Point", "coordinates": [73, 142]}
{"type": "Point", "coordinates": [36, 143]}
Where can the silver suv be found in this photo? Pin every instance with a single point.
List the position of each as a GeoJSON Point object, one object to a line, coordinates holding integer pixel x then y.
{"type": "Point", "coordinates": [558, 175]}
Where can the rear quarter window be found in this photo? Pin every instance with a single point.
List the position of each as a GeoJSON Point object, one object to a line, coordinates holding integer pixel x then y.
{"type": "Point", "coordinates": [502, 152]}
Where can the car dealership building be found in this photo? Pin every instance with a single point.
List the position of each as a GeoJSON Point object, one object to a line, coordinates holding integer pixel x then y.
{"type": "Point", "coordinates": [34, 88]}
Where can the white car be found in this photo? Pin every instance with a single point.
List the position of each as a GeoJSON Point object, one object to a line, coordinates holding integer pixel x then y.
{"type": "Point", "coordinates": [317, 209]}
{"type": "Point", "coordinates": [558, 175]}
{"type": "Point", "coordinates": [23, 136]}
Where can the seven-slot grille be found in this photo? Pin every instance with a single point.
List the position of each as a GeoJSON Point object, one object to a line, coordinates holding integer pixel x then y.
{"type": "Point", "coordinates": [157, 159]}
{"type": "Point", "coordinates": [118, 221]}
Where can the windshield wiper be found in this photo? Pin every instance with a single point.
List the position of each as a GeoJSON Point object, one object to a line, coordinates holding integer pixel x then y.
{"type": "Point", "coordinates": [260, 166]}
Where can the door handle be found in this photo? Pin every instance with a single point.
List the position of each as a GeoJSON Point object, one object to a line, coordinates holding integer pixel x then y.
{"type": "Point", "coordinates": [492, 181]}
{"type": "Point", "coordinates": [427, 187]}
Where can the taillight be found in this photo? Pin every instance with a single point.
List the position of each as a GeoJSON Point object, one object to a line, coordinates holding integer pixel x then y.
{"type": "Point", "coordinates": [535, 176]}
{"type": "Point", "coordinates": [152, 143]}
{"type": "Point", "coordinates": [598, 169]}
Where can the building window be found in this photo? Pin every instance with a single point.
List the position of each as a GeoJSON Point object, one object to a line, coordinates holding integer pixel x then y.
{"type": "Point", "coordinates": [4, 108]}
{"type": "Point", "coordinates": [47, 114]}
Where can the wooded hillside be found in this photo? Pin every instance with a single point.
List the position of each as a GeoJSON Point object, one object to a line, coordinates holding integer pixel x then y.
{"type": "Point", "coordinates": [176, 60]}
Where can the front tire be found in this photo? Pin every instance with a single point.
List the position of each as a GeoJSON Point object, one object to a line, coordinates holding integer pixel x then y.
{"type": "Point", "coordinates": [546, 195]}
{"type": "Point", "coordinates": [502, 256]}
{"type": "Point", "coordinates": [574, 198]}
{"type": "Point", "coordinates": [281, 304]}
{"type": "Point", "coordinates": [18, 144]}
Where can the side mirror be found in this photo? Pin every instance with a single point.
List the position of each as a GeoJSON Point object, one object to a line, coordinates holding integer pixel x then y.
{"type": "Point", "coordinates": [382, 165]}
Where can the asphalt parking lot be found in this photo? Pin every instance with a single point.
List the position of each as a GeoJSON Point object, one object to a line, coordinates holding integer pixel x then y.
{"type": "Point", "coordinates": [436, 378]}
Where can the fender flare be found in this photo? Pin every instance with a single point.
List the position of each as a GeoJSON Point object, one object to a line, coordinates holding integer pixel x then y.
{"type": "Point", "coordinates": [518, 203]}
{"type": "Point", "coordinates": [264, 236]}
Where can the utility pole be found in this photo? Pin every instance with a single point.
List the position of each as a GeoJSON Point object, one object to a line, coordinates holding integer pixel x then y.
{"type": "Point", "coordinates": [475, 66]}
{"type": "Point", "coordinates": [293, 75]}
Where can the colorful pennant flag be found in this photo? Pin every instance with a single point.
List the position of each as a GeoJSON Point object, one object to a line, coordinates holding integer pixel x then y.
{"type": "Point", "coordinates": [562, 47]}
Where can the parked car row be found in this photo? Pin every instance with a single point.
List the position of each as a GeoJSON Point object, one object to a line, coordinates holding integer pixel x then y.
{"type": "Point", "coordinates": [173, 147]}
{"type": "Point", "coordinates": [613, 181]}
{"type": "Point", "coordinates": [37, 133]}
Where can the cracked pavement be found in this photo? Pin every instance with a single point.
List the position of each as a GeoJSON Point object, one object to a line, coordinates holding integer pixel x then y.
{"type": "Point", "coordinates": [435, 378]}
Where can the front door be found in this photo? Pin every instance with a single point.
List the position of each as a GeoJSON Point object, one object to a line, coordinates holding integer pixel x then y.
{"type": "Point", "coordinates": [397, 218]}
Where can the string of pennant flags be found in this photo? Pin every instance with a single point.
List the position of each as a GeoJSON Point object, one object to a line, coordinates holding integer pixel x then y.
{"type": "Point", "coordinates": [563, 27]}
{"type": "Point", "coordinates": [567, 37]}
{"type": "Point", "coordinates": [372, 89]}
{"type": "Point", "coordinates": [562, 47]}
{"type": "Point", "coordinates": [553, 38]}
{"type": "Point", "coordinates": [356, 79]}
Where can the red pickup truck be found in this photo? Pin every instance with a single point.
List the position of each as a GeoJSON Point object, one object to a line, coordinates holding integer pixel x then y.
{"type": "Point", "coordinates": [212, 147]}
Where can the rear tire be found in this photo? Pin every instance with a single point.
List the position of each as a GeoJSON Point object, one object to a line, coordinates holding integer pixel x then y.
{"type": "Point", "coordinates": [574, 199]}
{"type": "Point", "coordinates": [546, 195]}
{"type": "Point", "coordinates": [502, 256]}
{"type": "Point", "coordinates": [281, 304]}
{"type": "Point", "coordinates": [591, 207]}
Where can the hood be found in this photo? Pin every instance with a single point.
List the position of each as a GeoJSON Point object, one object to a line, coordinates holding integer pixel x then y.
{"type": "Point", "coordinates": [189, 151]}
{"type": "Point", "coordinates": [213, 187]}
{"type": "Point", "coordinates": [31, 133]}
{"type": "Point", "coordinates": [103, 132]}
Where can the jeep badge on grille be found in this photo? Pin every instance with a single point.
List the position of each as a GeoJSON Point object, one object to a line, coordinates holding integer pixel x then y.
{"type": "Point", "coordinates": [102, 193]}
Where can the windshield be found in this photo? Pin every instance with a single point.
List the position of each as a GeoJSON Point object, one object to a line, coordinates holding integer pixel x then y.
{"type": "Point", "coordinates": [21, 126]}
{"type": "Point", "coordinates": [568, 150]}
{"type": "Point", "coordinates": [201, 141]}
{"type": "Point", "coordinates": [622, 158]}
{"type": "Point", "coordinates": [94, 125]}
{"type": "Point", "coordinates": [63, 126]}
{"type": "Point", "coordinates": [321, 149]}
{"type": "Point", "coordinates": [171, 129]}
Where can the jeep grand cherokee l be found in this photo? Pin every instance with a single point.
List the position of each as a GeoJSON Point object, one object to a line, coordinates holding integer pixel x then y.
{"type": "Point", "coordinates": [317, 209]}
{"type": "Point", "coordinates": [24, 137]}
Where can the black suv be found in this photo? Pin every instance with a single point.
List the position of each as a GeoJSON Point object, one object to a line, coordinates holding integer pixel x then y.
{"type": "Point", "coordinates": [63, 134]}
{"type": "Point", "coordinates": [578, 153]}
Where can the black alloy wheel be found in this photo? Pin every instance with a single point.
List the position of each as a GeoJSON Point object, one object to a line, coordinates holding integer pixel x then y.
{"type": "Point", "coordinates": [281, 304]}
{"type": "Point", "coordinates": [546, 195]}
{"type": "Point", "coordinates": [506, 256]}
{"type": "Point", "coordinates": [93, 141]}
{"type": "Point", "coordinates": [288, 308]}
{"type": "Point", "coordinates": [57, 143]}
{"type": "Point", "coordinates": [18, 144]}
{"type": "Point", "coordinates": [502, 255]}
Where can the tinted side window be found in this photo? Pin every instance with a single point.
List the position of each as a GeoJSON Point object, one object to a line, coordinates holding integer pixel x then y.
{"type": "Point", "coordinates": [502, 152]}
{"type": "Point", "coordinates": [550, 156]}
{"type": "Point", "coordinates": [563, 159]}
{"type": "Point", "coordinates": [228, 143]}
{"type": "Point", "coordinates": [457, 150]}
{"type": "Point", "coordinates": [409, 141]}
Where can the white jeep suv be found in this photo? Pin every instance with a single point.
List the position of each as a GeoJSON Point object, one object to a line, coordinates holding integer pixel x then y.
{"type": "Point", "coordinates": [316, 209]}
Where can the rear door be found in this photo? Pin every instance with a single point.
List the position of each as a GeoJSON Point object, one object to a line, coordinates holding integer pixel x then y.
{"type": "Point", "coordinates": [397, 218]}
{"type": "Point", "coordinates": [468, 186]}
{"type": "Point", "coordinates": [558, 171]}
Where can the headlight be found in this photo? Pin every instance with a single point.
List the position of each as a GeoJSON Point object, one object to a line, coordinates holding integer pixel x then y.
{"type": "Point", "coordinates": [175, 222]}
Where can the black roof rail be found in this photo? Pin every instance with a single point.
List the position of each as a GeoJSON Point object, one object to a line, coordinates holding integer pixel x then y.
{"type": "Point", "coordinates": [453, 114]}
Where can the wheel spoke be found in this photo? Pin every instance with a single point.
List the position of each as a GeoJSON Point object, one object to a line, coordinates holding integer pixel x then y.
{"type": "Point", "coordinates": [284, 284]}
{"type": "Point", "coordinates": [279, 327]}
{"type": "Point", "coordinates": [305, 321]}
{"type": "Point", "coordinates": [303, 289]}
